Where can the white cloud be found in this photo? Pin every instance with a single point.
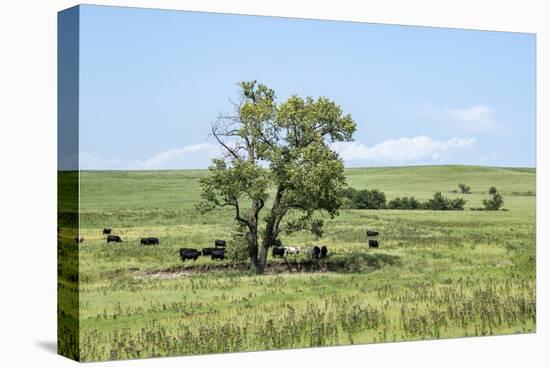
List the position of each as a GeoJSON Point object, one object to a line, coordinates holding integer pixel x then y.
{"type": "Point", "coordinates": [190, 156]}
{"type": "Point", "coordinates": [400, 151]}
{"type": "Point", "coordinates": [479, 118]}
{"type": "Point", "coordinates": [95, 161]}
{"type": "Point", "coordinates": [394, 151]}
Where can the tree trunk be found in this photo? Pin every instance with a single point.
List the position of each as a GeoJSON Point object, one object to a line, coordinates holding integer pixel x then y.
{"type": "Point", "coordinates": [262, 261]}
{"type": "Point", "coordinates": [253, 250]}
{"type": "Point", "coordinates": [270, 231]}
{"type": "Point", "coordinates": [253, 243]}
{"type": "Point", "coordinates": [266, 242]}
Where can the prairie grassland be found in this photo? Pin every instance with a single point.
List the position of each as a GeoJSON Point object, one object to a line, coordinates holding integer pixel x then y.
{"type": "Point", "coordinates": [436, 274]}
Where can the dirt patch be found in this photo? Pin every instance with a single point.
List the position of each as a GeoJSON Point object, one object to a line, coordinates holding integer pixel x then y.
{"type": "Point", "coordinates": [182, 271]}
{"type": "Point", "coordinates": [271, 268]}
{"type": "Point", "coordinates": [359, 264]}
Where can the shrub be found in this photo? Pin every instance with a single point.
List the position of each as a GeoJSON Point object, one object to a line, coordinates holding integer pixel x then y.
{"type": "Point", "coordinates": [495, 203]}
{"type": "Point", "coordinates": [369, 199]}
{"type": "Point", "coordinates": [362, 199]}
{"type": "Point", "coordinates": [237, 248]}
{"type": "Point", "coordinates": [492, 190]}
{"type": "Point", "coordinates": [440, 202]}
{"type": "Point", "coordinates": [348, 193]}
{"type": "Point", "coordinates": [346, 203]}
{"type": "Point", "coordinates": [464, 189]}
{"type": "Point", "coordinates": [457, 204]}
{"type": "Point", "coordinates": [405, 203]}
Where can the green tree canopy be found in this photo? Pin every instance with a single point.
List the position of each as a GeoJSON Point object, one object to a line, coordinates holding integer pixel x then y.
{"type": "Point", "coordinates": [277, 153]}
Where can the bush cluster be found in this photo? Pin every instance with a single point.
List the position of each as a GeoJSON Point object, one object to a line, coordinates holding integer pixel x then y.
{"type": "Point", "coordinates": [438, 202]}
{"type": "Point", "coordinates": [375, 199]}
{"type": "Point", "coordinates": [405, 203]}
{"type": "Point", "coordinates": [363, 199]}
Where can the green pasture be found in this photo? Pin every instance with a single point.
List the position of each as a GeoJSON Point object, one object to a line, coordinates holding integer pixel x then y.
{"type": "Point", "coordinates": [437, 274]}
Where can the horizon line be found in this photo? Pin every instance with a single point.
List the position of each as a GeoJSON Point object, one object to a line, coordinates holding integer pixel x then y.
{"type": "Point", "coordinates": [347, 168]}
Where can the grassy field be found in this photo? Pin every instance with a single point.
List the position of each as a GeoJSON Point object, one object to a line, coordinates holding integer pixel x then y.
{"type": "Point", "coordinates": [437, 274]}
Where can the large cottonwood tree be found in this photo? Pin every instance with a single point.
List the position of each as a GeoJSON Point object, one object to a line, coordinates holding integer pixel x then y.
{"type": "Point", "coordinates": [277, 161]}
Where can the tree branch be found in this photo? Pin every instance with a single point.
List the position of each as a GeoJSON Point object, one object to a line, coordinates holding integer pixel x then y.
{"type": "Point", "coordinates": [238, 215]}
{"type": "Point", "coordinates": [260, 206]}
{"type": "Point", "coordinates": [231, 151]}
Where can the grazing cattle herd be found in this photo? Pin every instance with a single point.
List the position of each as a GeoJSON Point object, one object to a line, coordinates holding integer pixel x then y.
{"type": "Point", "coordinates": [215, 253]}
{"type": "Point", "coordinates": [218, 251]}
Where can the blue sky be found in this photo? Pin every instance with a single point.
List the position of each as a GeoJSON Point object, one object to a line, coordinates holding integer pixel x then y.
{"type": "Point", "coordinates": [153, 81]}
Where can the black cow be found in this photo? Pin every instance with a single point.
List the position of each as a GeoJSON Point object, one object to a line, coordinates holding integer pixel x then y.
{"type": "Point", "coordinates": [372, 233]}
{"type": "Point", "coordinates": [278, 251]}
{"type": "Point", "coordinates": [313, 252]}
{"type": "Point", "coordinates": [276, 243]}
{"type": "Point", "coordinates": [219, 243]}
{"type": "Point", "coordinates": [324, 251]}
{"type": "Point", "coordinates": [150, 241]}
{"type": "Point", "coordinates": [316, 252]}
{"type": "Point", "coordinates": [113, 238]}
{"type": "Point", "coordinates": [189, 254]}
{"type": "Point", "coordinates": [207, 251]}
{"type": "Point", "coordinates": [218, 253]}
{"type": "Point", "coordinates": [106, 231]}
{"type": "Point", "coordinates": [373, 244]}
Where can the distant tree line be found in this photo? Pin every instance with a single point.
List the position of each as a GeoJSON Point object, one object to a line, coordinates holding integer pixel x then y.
{"type": "Point", "coordinates": [375, 199]}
